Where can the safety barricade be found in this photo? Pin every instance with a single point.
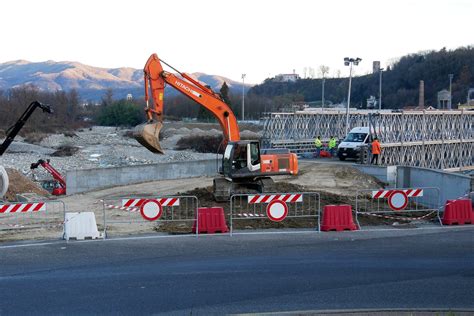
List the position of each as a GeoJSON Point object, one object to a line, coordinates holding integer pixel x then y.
{"type": "Point", "coordinates": [172, 214]}
{"type": "Point", "coordinates": [35, 219]}
{"type": "Point", "coordinates": [398, 205]}
{"type": "Point", "coordinates": [275, 210]}
{"type": "Point", "coordinates": [459, 211]}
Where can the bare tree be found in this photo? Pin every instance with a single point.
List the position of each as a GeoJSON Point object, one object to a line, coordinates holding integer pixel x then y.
{"type": "Point", "coordinates": [323, 71]}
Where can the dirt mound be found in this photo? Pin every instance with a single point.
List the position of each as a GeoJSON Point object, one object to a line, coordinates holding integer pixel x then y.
{"type": "Point", "coordinates": [21, 184]}
{"type": "Point", "coordinates": [65, 151]}
{"type": "Point", "coordinates": [333, 178]}
{"type": "Point", "coordinates": [206, 199]}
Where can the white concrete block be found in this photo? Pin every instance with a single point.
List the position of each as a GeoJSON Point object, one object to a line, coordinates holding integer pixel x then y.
{"type": "Point", "coordinates": [81, 225]}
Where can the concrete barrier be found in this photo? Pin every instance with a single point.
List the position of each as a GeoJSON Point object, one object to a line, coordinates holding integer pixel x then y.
{"type": "Point", "coordinates": [451, 185]}
{"type": "Point", "coordinates": [386, 174]}
{"type": "Point", "coordinates": [78, 181]}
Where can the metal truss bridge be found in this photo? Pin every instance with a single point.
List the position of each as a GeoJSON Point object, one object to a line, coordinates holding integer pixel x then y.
{"type": "Point", "coordinates": [430, 139]}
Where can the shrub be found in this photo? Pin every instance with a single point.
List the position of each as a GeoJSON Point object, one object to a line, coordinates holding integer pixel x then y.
{"type": "Point", "coordinates": [120, 113]}
{"type": "Point", "coordinates": [201, 143]}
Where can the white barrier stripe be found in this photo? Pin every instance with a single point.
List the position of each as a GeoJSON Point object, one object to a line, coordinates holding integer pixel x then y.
{"type": "Point", "coordinates": [131, 209]}
{"type": "Point", "coordinates": [139, 202]}
{"type": "Point", "coordinates": [396, 217]}
{"type": "Point", "coordinates": [381, 194]}
{"type": "Point", "coordinates": [289, 198]}
{"type": "Point", "coordinates": [22, 208]}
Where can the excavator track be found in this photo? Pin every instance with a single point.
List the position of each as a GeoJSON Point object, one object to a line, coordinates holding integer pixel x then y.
{"type": "Point", "coordinates": [223, 189]}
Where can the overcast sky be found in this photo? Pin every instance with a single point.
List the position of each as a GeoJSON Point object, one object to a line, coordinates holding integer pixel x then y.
{"type": "Point", "coordinates": [228, 38]}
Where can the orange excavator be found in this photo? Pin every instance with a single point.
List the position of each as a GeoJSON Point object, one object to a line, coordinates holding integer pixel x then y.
{"type": "Point", "coordinates": [243, 164]}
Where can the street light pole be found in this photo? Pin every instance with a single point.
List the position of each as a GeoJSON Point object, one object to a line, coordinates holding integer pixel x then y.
{"type": "Point", "coordinates": [348, 99]}
{"type": "Point", "coordinates": [450, 105]}
{"type": "Point", "coordinates": [322, 98]}
{"type": "Point", "coordinates": [349, 62]}
{"type": "Point", "coordinates": [243, 96]}
{"type": "Point", "coordinates": [380, 87]}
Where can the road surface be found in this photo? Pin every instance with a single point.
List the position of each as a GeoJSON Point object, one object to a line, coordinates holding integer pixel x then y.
{"type": "Point", "coordinates": [215, 275]}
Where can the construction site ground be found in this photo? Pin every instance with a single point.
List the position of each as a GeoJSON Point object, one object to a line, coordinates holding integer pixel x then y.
{"type": "Point", "coordinates": [111, 147]}
{"type": "Point", "coordinates": [336, 183]}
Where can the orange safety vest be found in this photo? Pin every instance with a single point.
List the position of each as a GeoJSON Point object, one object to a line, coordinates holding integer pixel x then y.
{"type": "Point", "coordinates": [376, 147]}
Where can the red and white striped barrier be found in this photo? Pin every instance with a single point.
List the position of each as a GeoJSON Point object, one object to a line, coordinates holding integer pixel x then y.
{"type": "Point", "coordinates": [139, 202]}
{"type": "Point", "coordinates": [22, 207]}
{"type": "Point", "coordinates": [267, 198]}
{"type": "Point", "coordinates": [381, 194]}
{"type": "Point", "coordinates": [131, 209]}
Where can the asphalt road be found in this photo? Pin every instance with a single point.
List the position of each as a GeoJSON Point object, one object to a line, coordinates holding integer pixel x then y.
{"type": "Point", "coordinates": [242, 274]}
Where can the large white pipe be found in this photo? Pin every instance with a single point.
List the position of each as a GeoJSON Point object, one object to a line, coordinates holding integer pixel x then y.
{"type": "Point", "coordinates": [3, 182]}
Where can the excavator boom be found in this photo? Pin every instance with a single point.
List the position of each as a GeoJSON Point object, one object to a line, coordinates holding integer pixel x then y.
{"type": "Point", "coordinates": [155, 80]}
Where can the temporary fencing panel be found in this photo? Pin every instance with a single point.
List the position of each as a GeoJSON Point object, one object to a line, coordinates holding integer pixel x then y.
{"type": "Point", "coordinates": [42, 218]}
{"type": "Point", "coordinates": [174, 214]}
{"type": "Point", "coordinates": [260, 210]}
{"type": "Point", "coordinates": [404, 204]}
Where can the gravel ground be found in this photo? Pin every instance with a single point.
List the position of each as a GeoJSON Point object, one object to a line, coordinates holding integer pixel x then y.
{"type": "Point", "coordinates": [101, 147]}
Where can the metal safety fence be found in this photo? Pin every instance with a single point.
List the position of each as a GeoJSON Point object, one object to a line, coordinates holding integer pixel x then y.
{"type": "Point", "coordinates": [398, 204]}
{"type": "Point", "coordinates": [275, 210]}
{"type": "Point", "coordinates": [44, 217]}
{"type": "Point", "coordinates": [172, 214]}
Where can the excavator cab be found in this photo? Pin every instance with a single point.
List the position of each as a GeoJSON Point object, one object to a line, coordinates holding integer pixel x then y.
{"type": "Point", "coordinates": [241, 159]}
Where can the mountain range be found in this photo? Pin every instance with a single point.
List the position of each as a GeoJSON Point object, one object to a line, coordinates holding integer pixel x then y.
{"type": "Point", "coordinates": [90, 82]}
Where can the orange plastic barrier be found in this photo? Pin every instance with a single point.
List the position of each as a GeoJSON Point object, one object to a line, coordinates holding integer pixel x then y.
{"type": "Point", "coordinates": [211, 220]}
{"type": "Point", "coordinates": [338, 218]}
{"type": "Point", "coordinates": [458, 212]}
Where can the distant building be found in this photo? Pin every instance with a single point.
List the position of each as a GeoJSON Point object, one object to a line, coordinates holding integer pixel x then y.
{"type": "Point", "coordinates": [372, 102]}
{"type": "Point", "coordinates": [470, 97]}
{"type": "Point", "coordinates": [287, 77]}
{"type": "Point", "coordinates": [375, 66]}
{"type": "Point", "coordinates": [444, 100]}
{"type": "Point", "coordinates": [418, 108]}
{"type": "Point", "coordinates": [129, 97]}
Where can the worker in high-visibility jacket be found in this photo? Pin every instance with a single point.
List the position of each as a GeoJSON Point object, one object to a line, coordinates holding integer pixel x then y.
{"type": "Point", "coordinates": [318, 143]}
{"type": "Point", "coordinates": [376, 150]}
{"type": "Point", "coordinates": [332, 146]}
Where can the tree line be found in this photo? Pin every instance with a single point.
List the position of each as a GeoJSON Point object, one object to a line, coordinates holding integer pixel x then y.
{"type": "Point", "coordinates": [400, 88]}
{"type": "Point", "coordinates": [400, 82]}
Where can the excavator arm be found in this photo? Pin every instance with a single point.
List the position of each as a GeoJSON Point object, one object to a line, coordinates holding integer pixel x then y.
{"type": "Point", "coordinates": [155, 80]}
{"type": "Point", "coordinates": [15, 129]}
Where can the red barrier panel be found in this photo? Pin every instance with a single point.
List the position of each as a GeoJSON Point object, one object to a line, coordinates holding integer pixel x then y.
{"type": "Point", "coordinates": [211, 220]}
{"type": "Point", "coordinates": [458, 212]}
{"type": "Point", "coordinates": [338, 218]}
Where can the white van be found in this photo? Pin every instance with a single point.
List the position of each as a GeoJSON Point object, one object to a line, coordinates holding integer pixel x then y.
{"type": "Point", "coordinates": [350, 147]}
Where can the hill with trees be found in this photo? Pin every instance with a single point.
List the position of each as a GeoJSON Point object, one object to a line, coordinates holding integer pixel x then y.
{"type": "Point", "coordinates": [400, 82]}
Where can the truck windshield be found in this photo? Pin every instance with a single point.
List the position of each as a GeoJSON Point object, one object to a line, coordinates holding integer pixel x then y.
{"type": "Point", "coordinates": [355, 137]}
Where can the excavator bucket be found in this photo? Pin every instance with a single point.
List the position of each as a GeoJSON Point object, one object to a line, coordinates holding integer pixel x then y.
{"type": "Point", "coordinates": [148, 135]}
